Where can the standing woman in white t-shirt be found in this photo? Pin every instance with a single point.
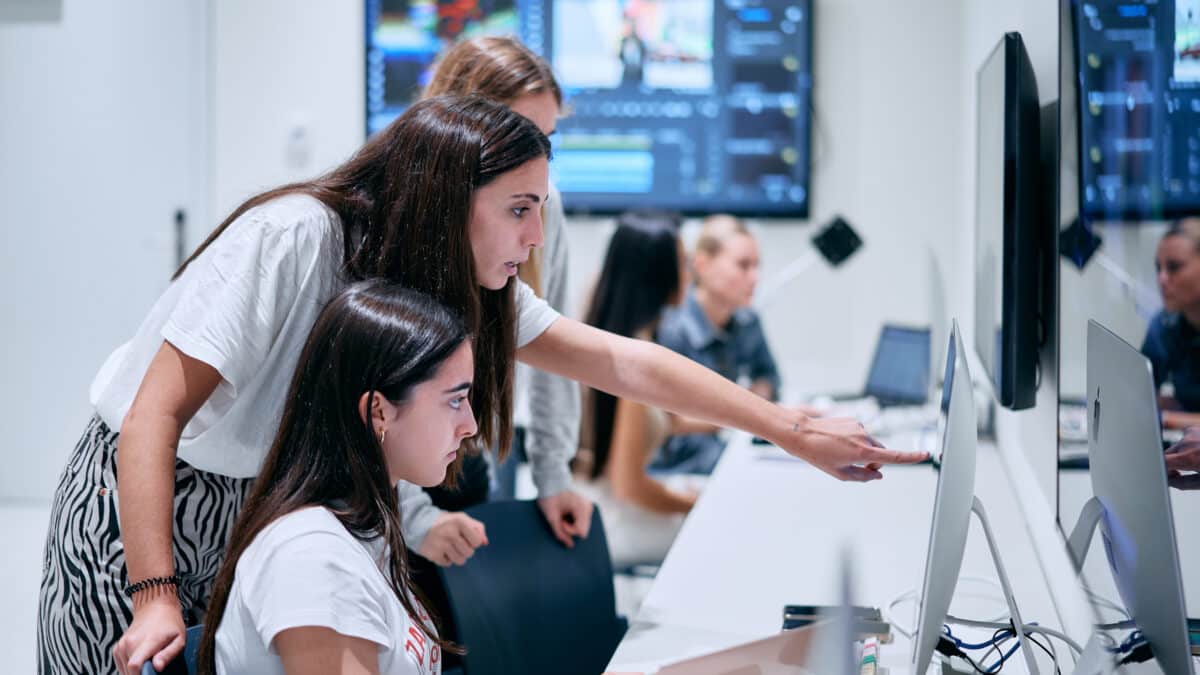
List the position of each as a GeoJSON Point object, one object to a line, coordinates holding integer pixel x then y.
{"type": "Point", "coordinates": [315, 579]}
{"type": "Point", "coordinates": [445, 201]}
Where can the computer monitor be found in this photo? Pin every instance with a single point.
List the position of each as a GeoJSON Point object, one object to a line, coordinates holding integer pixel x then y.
{"type": "Point", "coordinates": [1129, 482]}
{"type": "Point", "coordinates": [1138, 69]}
{"type": "Point", "coordinates": [405, 37]}
{"type": "Point", "coordinates": [696, 106]}
{"type": "Point", "coordinates": [1010, 223]}
{"type": "Point", "coordinates": [952, 502]}
{"type": "Point", "coordinates": [899, 372]}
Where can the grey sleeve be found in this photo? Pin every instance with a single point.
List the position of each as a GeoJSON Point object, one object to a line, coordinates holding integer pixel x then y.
{"type": "Point", "coordinates": [553, 432]}
{"type": "Point", "coordinates": [417, 513]}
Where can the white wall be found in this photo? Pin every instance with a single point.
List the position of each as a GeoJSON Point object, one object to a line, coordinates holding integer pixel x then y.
{"type": "Point", "coordinates": [288, 92]}
{"type": "Point", "coordinates": [103, 135]}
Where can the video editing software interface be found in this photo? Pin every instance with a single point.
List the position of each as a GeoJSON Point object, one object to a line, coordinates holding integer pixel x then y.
{"type": "Point", "coordinates": [692, 105]}
{"type": "Point", "coordinates": [1139, 108]}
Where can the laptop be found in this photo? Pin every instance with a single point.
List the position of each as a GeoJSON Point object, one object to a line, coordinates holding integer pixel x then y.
{"type": "Point", "coordinates": [899, 374]}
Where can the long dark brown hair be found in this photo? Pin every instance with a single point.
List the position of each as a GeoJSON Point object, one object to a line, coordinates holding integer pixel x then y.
{"type": "Point", "coordinates": [404, 202]}
{"type": "Point", "coordinates": [377, 338]}
{"type": "Point", "coordinates": [504, 70]}
{"type": "Point", "coordinates": [639, 278]}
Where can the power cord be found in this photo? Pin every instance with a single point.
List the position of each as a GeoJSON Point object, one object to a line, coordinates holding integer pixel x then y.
{"type": "Point", "coordinates": [889, 609]}
{"type": "Point", "coordinates": [1027, 628]}
{"type": "Point", "coordinates": [951, 646]}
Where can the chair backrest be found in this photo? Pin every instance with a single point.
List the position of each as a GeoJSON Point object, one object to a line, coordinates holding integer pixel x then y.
{"type": "Point", "coordinates": [527, 604]}
{"type": "Point", "coordinates": [186, 664]}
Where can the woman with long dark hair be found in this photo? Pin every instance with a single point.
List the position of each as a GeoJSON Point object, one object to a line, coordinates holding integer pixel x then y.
{"type": "Point", "coordinates": [545, 406]}
{"type": "Point", "coordinates": [445, 201]}
{"type": "Point", "coordinates": [643, 273]}
{"type": "Point", "coordinates": [315, 578]}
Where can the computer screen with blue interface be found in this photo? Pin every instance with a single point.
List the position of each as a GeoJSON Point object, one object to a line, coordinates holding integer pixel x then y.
{"type": "Point", "coordinates": [689, 105]}
{"type": "Point", "coordinates": [1139, 108]}
{"type": "Point", "coordinates": [900, 370]}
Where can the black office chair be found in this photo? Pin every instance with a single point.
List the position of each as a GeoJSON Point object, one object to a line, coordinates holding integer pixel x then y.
{"type": "Point", "coordinates": [526, 604]}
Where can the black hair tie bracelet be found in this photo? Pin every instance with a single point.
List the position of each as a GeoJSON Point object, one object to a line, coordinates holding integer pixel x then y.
{"type": "Point", "coordinates": [144, 584]}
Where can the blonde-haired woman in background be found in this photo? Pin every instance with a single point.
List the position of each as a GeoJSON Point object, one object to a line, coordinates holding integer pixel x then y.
{"type": "Point", "coordinates": [716, 327]}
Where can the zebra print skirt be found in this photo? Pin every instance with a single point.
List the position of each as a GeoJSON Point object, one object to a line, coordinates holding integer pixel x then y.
{"type": "Point", "coordinates": [82, 611]}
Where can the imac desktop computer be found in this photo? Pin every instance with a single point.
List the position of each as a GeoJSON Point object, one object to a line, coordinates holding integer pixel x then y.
{"type": "Point", "coordinates": [953, 505]}
{"type": "Point", "coordinates": [1130, 502]}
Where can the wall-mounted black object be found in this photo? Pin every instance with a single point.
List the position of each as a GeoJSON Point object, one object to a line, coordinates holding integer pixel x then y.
{"type": "Point", "coordinates": [1077, 243]}
{"type": "Point", "coordinates": [837, 241]}
{"type": "Point", "coordinates": [1011, 217]}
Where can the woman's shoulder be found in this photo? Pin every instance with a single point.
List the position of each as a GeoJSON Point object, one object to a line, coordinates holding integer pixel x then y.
{"type": "Point", "coordinates": [306, 528]}
{"type": "Point", "coordinates": [1163, 323]}
{"type": "Point", "coordinates": [296, 213]}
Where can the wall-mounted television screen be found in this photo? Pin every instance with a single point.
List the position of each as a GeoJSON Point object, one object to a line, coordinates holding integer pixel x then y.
{"type": "Point", "coordinates": [1138, 70]}
{"type": "Point", "coordinates": [690, 105]}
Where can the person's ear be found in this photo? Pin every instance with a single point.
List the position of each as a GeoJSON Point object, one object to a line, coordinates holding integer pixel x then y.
{"type": "Point", "coordinates": [375, 408]}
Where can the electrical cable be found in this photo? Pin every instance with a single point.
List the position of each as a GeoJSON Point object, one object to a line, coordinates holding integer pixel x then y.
{"type": "Point", "coordinates": [1003, 634]}
{"type": "Point", "coordinates": [1052, 655]}
{"type": "Point", "coordinates": [1028, 628]}
{"type": "Point", "coordinates": [911, 594]}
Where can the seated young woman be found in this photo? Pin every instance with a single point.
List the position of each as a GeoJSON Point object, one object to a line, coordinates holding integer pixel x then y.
{"type": "Point", "coordinates": [643, 273]}
{"type": "Point", "coordinates": [316, 576]}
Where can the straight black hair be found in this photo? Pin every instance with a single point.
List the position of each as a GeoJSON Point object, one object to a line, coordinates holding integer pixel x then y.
{"type": "Point", "coordinates": [404, 202]}
{"type": "Point", "coordinates": [639, 278]}
{"type": "Point", "coordinates": [377, 338]}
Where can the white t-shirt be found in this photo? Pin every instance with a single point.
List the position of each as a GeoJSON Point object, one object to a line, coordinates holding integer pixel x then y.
{"type": "Point", "coordinates": [306, 569]}
{"type": "Point", "coordinates": [245, 307]}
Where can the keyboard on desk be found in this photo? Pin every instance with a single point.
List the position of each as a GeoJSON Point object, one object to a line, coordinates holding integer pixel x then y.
{"type": "Point", "coordinates": [881, 420]}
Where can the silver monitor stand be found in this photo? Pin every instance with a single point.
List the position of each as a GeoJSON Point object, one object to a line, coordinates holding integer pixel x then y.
{"type": "Point", "coordinates": [953, 505]}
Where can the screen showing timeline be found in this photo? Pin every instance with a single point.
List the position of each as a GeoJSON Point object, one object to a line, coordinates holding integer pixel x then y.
{"type": "Point", "coordinates": [691, 105]}
{"type": "Point", "coordinates": [1139, 108]}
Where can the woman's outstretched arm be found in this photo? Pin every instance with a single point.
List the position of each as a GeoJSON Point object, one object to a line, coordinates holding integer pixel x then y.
{"type": "Point", "coordinates": [656, 376]}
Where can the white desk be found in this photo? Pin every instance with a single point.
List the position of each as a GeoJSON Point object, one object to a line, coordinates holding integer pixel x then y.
{"type": "Point", "coordinates": [767, 532]}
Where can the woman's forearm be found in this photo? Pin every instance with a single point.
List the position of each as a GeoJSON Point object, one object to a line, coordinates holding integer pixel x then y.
{"type": "Point", "coordinates": [656, 376]}
{"type": "Point", "coordinates": [652, 495]}
{"type": "Point", "coordinates": [173, 389]}
{"type": "Point", "coordinates": [687, 425]}
{"type": "Point", "coordinates": [652, 375]}
{"type": "Point", "coordinates": [145, 493]}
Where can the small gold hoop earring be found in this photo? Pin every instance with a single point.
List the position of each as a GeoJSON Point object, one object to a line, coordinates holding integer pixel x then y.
{"type": "Point", "coordinates": [382, 435]}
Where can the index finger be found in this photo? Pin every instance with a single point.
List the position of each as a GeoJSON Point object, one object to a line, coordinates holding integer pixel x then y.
{"type": "Point", "coordinates": [168, 653]}
{"type": "Point", "coordinates": [583, 519]}
{"type": "Point", "coordinates": [885, 456]}
{"type": "Point", "coordinates": [1184, 445]}
{"type": "Point", "coordinates": [1180, 460]}
{"type": "Point", "coordinates": [474, 533]}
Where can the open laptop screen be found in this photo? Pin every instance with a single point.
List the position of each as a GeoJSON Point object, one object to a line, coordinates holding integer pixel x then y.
{"type": "Point", "coordinates": [900, 371]}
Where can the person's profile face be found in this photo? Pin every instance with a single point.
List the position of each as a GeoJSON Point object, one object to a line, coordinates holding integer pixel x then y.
{"type": "Point", "coordinates": [506, 221]}
{"type": "Point", "coordinates": [732, 274]}
{"type": "Point", "coordinates": [424, 433]}
{"type": "Point", "coordinates": [1177, 264]}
